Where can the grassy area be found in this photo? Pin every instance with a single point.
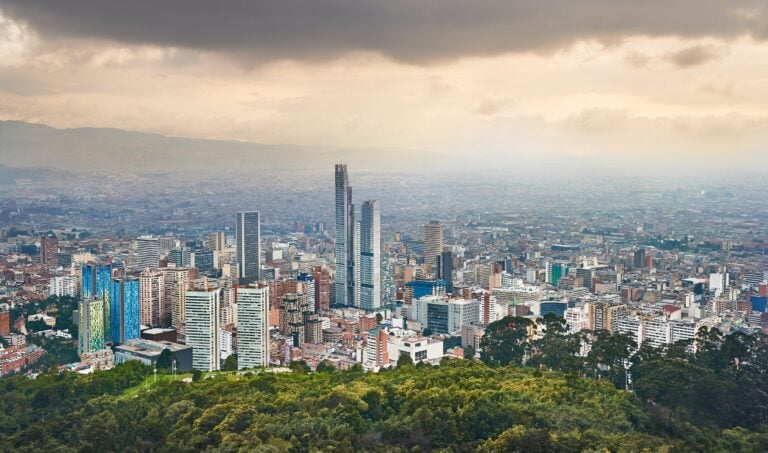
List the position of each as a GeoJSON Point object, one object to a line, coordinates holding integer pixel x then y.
{"type": "Point", "coordinates": [149, 382]}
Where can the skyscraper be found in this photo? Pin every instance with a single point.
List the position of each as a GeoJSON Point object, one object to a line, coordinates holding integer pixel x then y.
{"type": "Point", "coordinates": [148, 251]}
{"type": "Point", "coordinates": [248, 236]}
{"type": "Point", "coordinates": [308, 288]}
{"type": "Point", "coordinates": [322, 289]}
{"type": "Point", "coordinates": [96, 278]}
{"type": "Point", "coordinates": [252, 327]}
{"type": "Point", "coordinates": [152, 298]}
{"type": "Point", "coordinates": [49, 251]}
{"type": "Point", "coordinates": [445, 269]}
{"type": "Point", "coordinates": [202, 329]}
{"type": "Point", "coordinates": [344, 248]}
{"type": "Point", "coordinates": [124, 309]}
{"type": "Point", "coordinates": [433, 243]}
{"type": "Point", "coordinates": [91, 327]}
{"type": "Point", "coordinates": [370, 256]}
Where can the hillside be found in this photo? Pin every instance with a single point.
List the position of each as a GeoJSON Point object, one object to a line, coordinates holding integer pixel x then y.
{"type": "Point", "coordinates": [460, 405]}
{"type": "Point", "coordinates": [30, 145]}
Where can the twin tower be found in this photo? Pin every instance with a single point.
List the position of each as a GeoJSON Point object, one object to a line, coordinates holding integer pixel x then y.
{"type": "Point", "coordinates": [358, 248]}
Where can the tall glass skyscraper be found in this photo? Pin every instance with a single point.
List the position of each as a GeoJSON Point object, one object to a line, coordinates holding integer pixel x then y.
{"type": "Point", "coordinates": [248, 236]}
{"type": "Point", "coordinates": [344, 284]}
{"type": "Point", "coordinates": [92, 325]}
{"type": "Point", "coordinates": [95, 278]}
{"type": "Point", "coordinates": [124, 309]}
{"type": "Point", "coordinates": [370, 256]}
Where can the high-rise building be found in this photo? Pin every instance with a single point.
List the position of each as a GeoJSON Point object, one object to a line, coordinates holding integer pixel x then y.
{"type": "Point", "coordinates": [445, 269]}
{"type": "Point", "coordinates": [322, 289]}
{"type": "Point", "coordinates": [433, 243]}
{"type": "Point", "coordinates": [91, 325]}
{"type": "Point", "coordinates": [248, 236]}
{"type": "Point", "coordinates": [5, 322]}
{"type": "Point", "coordinates": [639, 259]}
{"type": "Point", "coordinates": [344, 247]}
{"type": "Point", "coordinates": [148, 252]}
{"type": "Point", "coordinates": [49, 251]}
{"type": "Point", "coordinates": [175, 283]}
{"type": "Point", "coordinates": [202, 329]}
{"type": "Point", "coordinates": [308, 287]}
{"type": "Point", "coordinates": [292, 309]}
{"type": "Point", "coordinates": [252, 327]}
{"type": "Point", "coordinates": [216, 241]}
{"type": "Point", "coordinates": [370, 256]}
{"type": "Point", "coordinates": [96, 278]}
{"type": "Point", "coordinates": [124, 309]}
{"type": "Point", "coordinates": [152, 298]}
{"type": "Point", "coordinates": [63, 285]}
{"type": "Point", "coordinates": [388, 286]}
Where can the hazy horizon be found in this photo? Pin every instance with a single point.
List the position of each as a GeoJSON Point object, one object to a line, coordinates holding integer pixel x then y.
{"type": "Point", "coordinates": [503, 86]}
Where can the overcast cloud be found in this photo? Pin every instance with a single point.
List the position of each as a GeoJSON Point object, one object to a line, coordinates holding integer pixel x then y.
{"type": "Point", "coordinates": [415, 31]}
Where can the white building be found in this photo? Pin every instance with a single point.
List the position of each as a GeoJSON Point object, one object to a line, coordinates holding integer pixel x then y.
{"type": "Point", "coordinates": [420, 349]}
{"type": "Point", "coordinates": [253, 327]}
{"type": "Point", "coordinates": [202, 329]}
{"type": "Point", "coordinates": [65, 285]}
{"type": "Point", "coordinates": [148, 252]}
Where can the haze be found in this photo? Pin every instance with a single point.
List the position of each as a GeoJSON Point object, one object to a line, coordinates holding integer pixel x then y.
{"type": "Point", "coordinates": [655, 85]}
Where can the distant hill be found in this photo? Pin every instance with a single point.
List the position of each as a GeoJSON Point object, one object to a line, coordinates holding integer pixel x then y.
{"type": "Point", "coordinates": [85, 149]}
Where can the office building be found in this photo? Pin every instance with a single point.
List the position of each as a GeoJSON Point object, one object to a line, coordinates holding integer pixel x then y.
{"type": "Point", "coordinates": [433, 244]}
{"type": "Point", "coordinates": [202, 329]}
{"type": "Point", "coordinates": [370, 256]}
{"type": "Point", "coordinates": [445, 270]}
{"type": "Point", "coordinates": [148, 252]}
{"type": "Point", "coordinates": [416, 289]}
{"type": "Point", "coordinates": [252, 327]}
{"type": "Point", "coordinates": [248, 237]}
{"type": "Point", "coordinates": [124, 310]}
{"type": "Point", "coordinates": [639, 258]}
{"type": "Point", "coordinates": [217, 241]}
{"type": "Point", "coordinates": [49, 251]}
{"type": "Point", "coordinates": [344, 247]}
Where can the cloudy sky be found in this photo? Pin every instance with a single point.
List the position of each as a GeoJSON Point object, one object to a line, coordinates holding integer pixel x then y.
{"type": "Point", "coordinates": [597, 78]}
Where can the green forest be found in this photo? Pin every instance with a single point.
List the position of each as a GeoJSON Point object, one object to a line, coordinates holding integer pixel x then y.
{"type": "Point", "coordinates": [526, 396]}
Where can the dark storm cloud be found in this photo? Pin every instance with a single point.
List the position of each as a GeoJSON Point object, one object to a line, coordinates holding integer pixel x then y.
{"type": "Point", "coordinates": [415, 31]}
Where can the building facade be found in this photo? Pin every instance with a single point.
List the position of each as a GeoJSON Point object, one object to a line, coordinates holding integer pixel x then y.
{"type": "Point", "coordinates": [202, 329]}
{"type": "Point", "coordinates": [248, 238]}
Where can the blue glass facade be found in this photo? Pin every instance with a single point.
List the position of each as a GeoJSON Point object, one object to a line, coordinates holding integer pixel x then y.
{"type": "Point", "coordinates": [423, 288]}
{"type": "Point", "coordinates": [124, 310]}
{"type": "Point", "coordinates": [759, 303]}
{"type": "Point", "coordinates": [551, 306]}
{"type": "Point", "coordinates": [96, 281]}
